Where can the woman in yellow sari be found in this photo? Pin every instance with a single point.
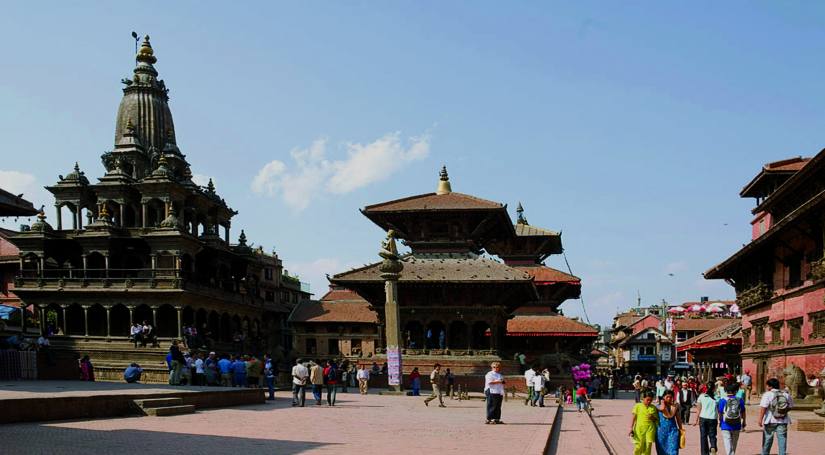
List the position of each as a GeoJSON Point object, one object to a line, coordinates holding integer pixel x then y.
{"type": "Point", "coordinates": [643, 425]}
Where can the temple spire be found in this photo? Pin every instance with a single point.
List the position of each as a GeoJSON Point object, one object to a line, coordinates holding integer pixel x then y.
{"type": "Point", "coordinates": [521, 218]}
{"type": "Point", "coordinates": [146, 54]}
{"type": "Point", "coordinates": [443, 182]}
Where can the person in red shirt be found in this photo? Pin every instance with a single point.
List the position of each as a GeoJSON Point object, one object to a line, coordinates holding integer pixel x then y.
{"type": "Point", "coordinates": [581, 396]}
{"type": "Point", "coordinates": [331, 380]}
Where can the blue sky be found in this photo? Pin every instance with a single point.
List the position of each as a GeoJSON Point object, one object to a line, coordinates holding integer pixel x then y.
{"type": "Point", "coordinates": [630, 126]}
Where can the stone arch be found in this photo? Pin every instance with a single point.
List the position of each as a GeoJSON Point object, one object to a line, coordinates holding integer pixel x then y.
{"type": "Point", "coordinates": [95, 265]}
{"type": "Point", "coordinates": [482, 338]}
{"type": "Point", "coordinates": [435, 328]}
{"type": "Point", "coordinates": [201, 317]}
{"type": "Point", "coordinates": [214, 325]}
{"type": "Point", "coordinates": [97, 320]}
{"type": "Point", "coordinates": [155, 212]}
{"type": "Point", "coordinates": [188, 316]}
{"type": "Point", "coordinates": [54, 318]}
{"type": "Point", "coordinates": [457, 336]}
{"type": "Point", "coordinates": [143, 314]}
{"type": "Point", "coordinates": [414, 335]}
{"type": "Point", "coordinates": [226, 327]}
{"type": "Point", "coordinates": [74, 320]}
{"type": "Point", "coordinates": [31, 265]}
{"type": "Point", "coordinates": [167, 321]}
{"type": "Point", "coordinates": [119, 321]}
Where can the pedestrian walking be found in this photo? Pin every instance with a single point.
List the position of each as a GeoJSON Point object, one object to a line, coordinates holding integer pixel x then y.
{"type": "Point", "coordinates": [732, 418]}
{"type": "Point", "coordinates": [494, 393]}
{"type": "Point", "coordinates": [637, 388]}
{"type": "Point", "coordinates": [643, 424]}
{"type": "Point", "coordinates": [177, 363]}
{"type": "Point", "coordinates": [450, 378]}
{"type": "Point", "coordinates": [331, 381]}
{"type": "Point", "coordinates": [611, 387]}
{"type": "Point", "coordinates": [269, 377]}
{"type": "Point", "coordinates": [708, 416]}
{"type": "Point", "coordinates": [670, 426]}
{"type": "Point", "coordinates": [363, 376]}
{"type": "Point", "coordinates": [774, 418]}
{"type": "Point", "coordinates": [299, 380]}
{"type": "Point", "coordinates": [538, 390]}
{"type": "Point", "coordinates": [435, 382]}
{"type": "Point", "coordinates": [747, 383]}
{"type": "Point", "coordinates": [316, 378]}
{"type": "Point", "coordinates": [529, 373]}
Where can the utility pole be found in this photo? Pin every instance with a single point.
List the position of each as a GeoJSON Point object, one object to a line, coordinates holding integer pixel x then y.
{"type": "Point", "coordinates": [662, 328]}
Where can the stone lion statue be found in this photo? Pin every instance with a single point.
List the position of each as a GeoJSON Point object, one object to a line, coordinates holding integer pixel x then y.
{"type": "Point", "coordinates": [795, 381]}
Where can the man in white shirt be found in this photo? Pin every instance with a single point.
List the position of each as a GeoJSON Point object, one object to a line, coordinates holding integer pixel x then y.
{"type": "Point", "coordinates": [774, 417]}
{"type": "Point", "coordinates": [669, 383]}
{"type": "Point", "coordinates": [435, 381]}
{"type": "Point", "coordinates": [538, 390]}
{"type": "Point", "coordinates": [528, 379]}
{"type": "Point", "coordinates": [494, 391]}
{"type": "Point", "coordinates": [299, 381]}
{"type": "Point", "coordinates": [747, 382]}
{"type": "Point", "coordinates": [363, 376]}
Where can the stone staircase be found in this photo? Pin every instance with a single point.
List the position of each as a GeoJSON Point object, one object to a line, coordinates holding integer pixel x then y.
{"type": "Point", "coordinates": [163, 406]}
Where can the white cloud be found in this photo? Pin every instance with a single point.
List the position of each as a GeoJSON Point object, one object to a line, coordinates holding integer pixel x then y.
{"type": "Point", "coordinates": [312, 173]}
{"type": "Point", "coordinates": [314, 272]}
{"type": "Point", "coordinates": [17, 182]}
{"type": "Point", "coordinates": [202, 180]}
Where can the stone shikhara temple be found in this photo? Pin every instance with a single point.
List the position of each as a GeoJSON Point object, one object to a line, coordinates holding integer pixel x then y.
{"type": "Point", "coordinates": [145, 243]}
{"type": "Point", "coordinates": [460, 305]}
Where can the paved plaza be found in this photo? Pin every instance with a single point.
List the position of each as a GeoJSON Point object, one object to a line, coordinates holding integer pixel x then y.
{"type": "Point", "coordinates": [357, 424]}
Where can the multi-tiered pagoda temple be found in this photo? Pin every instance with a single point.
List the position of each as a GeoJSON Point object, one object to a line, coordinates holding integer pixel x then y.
{"type": "Point", "coordinates": [456, 298]}
{"type": "Point", "coordinates": [144, 244]}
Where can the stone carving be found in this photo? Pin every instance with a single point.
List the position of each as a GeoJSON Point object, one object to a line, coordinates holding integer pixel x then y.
{"type": "Point", "coordinates": [754, 296]}
{"type": "Point", "coordinates": [795, 381]}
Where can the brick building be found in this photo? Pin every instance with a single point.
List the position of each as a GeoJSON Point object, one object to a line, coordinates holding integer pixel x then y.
{"type": "Point", "coordinates": [779, 276]}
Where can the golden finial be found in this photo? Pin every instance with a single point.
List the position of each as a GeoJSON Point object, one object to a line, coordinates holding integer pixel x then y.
{"type": "Point", "coordinates": [104, 212]}
{"type": "Point", "coordinates": [146, 54]}
{"type": "Point", "coordinates": [443, 182]}
{"type": "Point", "coordinates": [162, 160]}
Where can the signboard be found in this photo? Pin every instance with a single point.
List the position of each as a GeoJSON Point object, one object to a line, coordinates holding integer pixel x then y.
{"type": "Point", "coordinates": [393, 365]}
{"type": "Point", "coordinates": [647, 358]}
{"type": "Point", "coordinates": [669, 326]}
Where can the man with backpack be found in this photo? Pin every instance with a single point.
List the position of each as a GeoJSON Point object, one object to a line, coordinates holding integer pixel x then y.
{"type": "Point", "coordinates": [731, 418]}
{"type": "Point", "coordinates": [773, 416]}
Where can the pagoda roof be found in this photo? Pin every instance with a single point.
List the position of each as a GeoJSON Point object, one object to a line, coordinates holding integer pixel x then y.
{"type": "Point", "coordinates": [531, 322]}
{"type": "Point", "coordinates": [545, 275]}
{"type": "Point", "coordinates": [434, 201]}
{"type": "Point", "coordinates": [339, 305]}
{"type": "Point", "coordinates": [770, 173]}
{"type": "Point", "coordinates": [11, 205]}
{"type": "Point", "coordinates": [440, 268]}
{"type": "Point", "coordinates": [526, 230]}
{"type": "Point", "coordinates": [726, 334]}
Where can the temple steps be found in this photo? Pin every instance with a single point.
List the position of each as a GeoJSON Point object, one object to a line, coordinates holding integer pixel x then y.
{"type": "Point", "coordinates": [163, 406]}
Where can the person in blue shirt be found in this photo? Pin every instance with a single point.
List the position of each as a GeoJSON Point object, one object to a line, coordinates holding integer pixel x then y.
{"type": "Point", "coordinates": [132, 373]}
{"type": "Point", "coordinates": [239, 368]}
{"type": "Point", "coordinates": [732, 417]}
{"type": "Point", "coordinates": [225, 369]}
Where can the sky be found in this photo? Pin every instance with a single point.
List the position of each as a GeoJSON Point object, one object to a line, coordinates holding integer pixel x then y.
{"type": "Point", "coordinates": [629, 126]}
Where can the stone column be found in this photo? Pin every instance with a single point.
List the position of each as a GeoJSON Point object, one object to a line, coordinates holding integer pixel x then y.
{"type": "Point", "coordinates": [226, 234]}
{"type": "Point", "coordinates": [42, 262]}
{"type": "Point", "coordinates": [154, 258]}
{"type": "Point", "coordinates": [108, 321]}
{"type": "Point", "coordinates": [42, 320]}
{"type": "Point", "coordinates": [180, 321]}
{"type": "Point", "coordinates": [391, 268]}
{"type": "Point", "coordinates": [59, 218]}
{"type": "Point", "coordinates": [79, 217]}
{"type": "Point", "coordinates": [120, 215]}
{"type": "Point", "coordinates": [75, 217]}
{"type": "Point", "coordinates": [65, 320]}
{"type": "Point", "coordinates": [106, 263]}
{"type": "Point", "coordinates": [155, 318]}
{"type": "Point", "coordinates": [143, 214]}
{"type": "Point", "coordinates": [83, 256]}
{"type": "Point", "coordinates": [86, 319]}
{"type": "Point", "coordinates": [131, 316]}
{"type": "Point", "coordinates": [23, 308]}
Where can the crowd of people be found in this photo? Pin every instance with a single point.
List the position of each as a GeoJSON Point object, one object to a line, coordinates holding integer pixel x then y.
{"type": "Point", "coordinates": [328, 376]}
{"type": "Point", "coordinates": [720, 405]}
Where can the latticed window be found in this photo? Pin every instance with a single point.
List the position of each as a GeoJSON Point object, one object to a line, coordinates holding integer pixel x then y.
{"type": "Point", "coordinates": [746, 338]}
{"type": "Point", "coordinates": [759, 334]}
{"type": "Point", "coordinates": [776, 333]}
{"type": "Point", "coordinates": [795, 329]}
{"type": "Point", "coordinates": [817, 324]}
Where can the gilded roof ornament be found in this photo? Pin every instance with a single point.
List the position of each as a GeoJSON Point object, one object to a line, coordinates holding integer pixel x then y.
{"type": "Point", "coordinates": [521, 218]}
{"type": "Point", "coordinates": [443, 182]}
{"type": "Point", "coordinates": [146, 54]}
{"type": "Point", "coordinates": [41, 225]}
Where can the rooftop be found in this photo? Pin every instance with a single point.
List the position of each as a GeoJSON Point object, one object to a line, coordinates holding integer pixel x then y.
{"type": "Point", "coordinates": [335, 306]}
{"type": "Point", "coordinates": [723, 334]}
{"type": "Point", "coordinates": [527, 324]}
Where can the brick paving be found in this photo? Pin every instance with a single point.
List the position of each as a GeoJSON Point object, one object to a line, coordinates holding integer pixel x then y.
{"type": "Point", "coordinates": [44, 389]}
{"type": "Point", "coordinates": [577, 435]}
{"type": "Point", "coordinates": [613, 418]}
{"type": "Point", "coordinates": [357, 425]}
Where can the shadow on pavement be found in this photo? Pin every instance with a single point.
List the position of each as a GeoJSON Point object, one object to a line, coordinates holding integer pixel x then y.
{"type": "Point", "coordinates": [44, 438]}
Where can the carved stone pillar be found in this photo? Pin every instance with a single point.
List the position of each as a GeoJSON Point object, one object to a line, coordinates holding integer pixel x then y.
{"type": "Point", "coordinates": [131, 316]}
{"type": "Point", "coordinates": [79, 217]}
{"type": "Point", "coordinates": [108, 321]}
{"type": "Point", "coordinates": [42, 262]}
{"type": "Point", "coordinates": [226, 234]}
{"type": "Point", "coordinates": [155, 318]}
{"type": "Point", "coordinates": [59, 218]}
{"type": "Point", "coordinates": [75, 217]}
{"type": "Point", "coordinates": [106, 263]}
{"type": "Point", "coordinates": [391, 268]}
{"type": "Point", "coordinates": [43, 328]}
{"type": "Point", "coordinates": [154, 258]}
{"type": "Point", "coordinates": [180, 321]}
{"type": "Point", "coordinates": [65, 320]}
{"type": "Point", "coordinates": [86, 320]}
{"type": "Point", "coordinates": [121, 214]}
{"type": "Point", "coordinates": [83, 256]}
{"type": "Point", "coordinates": [143, 214]}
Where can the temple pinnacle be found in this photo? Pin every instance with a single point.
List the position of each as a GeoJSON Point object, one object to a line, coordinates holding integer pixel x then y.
{"type": "Point", "coordinates": [520, 212]}
{"type": "Point", "coordinates": [443, 182]}
{"type": "Point", "coordinates": [146, 54]}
